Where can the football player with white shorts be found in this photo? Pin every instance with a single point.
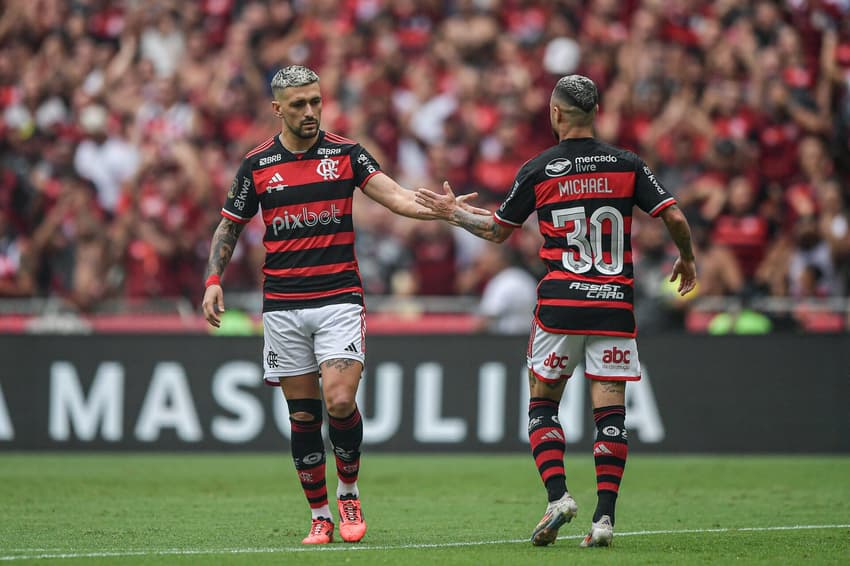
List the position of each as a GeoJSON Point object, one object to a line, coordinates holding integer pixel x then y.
{"type": "Point", "coordinates": [303, 181]}
{"type": "Point", "coordinates": [583, 192]}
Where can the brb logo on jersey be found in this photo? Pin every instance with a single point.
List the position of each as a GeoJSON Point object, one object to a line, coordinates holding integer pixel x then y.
{"type": "Point", "coordinates": [616, 356]}
{"type": "Point", "coordinates": [555, 361]}
{"type": "Point", "coordinates": [327, 168]}
{"type": "Point", "coordinates": [305, 219]}
{"type": "Point", "coordinates": [271, 159]}
{"type": "Point", "coordinates": [558, 167]}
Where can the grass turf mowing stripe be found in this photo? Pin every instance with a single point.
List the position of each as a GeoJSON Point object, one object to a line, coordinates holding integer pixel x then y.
{"type": "Point", "coordinates": [351, 547]}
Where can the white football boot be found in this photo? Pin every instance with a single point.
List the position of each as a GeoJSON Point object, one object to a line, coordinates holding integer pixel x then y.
{"type": "Point", "coordinates": [601, 533]}
{"type": "Point", "coordinates": [557, 514]}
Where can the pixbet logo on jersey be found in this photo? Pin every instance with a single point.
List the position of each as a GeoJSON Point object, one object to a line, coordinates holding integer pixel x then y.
{"type": "Point", "coordinates": [616, 356]}
{"type": "Point", "coordinates": [555, 361]}
{"type": "Point", "coordinates": [305, 219]}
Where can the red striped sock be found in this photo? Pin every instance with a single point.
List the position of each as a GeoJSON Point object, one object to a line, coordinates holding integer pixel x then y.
{"type": "Point", "coordinates": [346, 435]}
{"type": "Point", "coordinates": [308, 453]}
{"type": "Point", "coordinates": [610, 452]}
{"type": "Point", "coordinates": [547, 445]}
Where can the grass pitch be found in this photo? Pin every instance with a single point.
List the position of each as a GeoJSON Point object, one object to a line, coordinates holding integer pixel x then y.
{"type": "Point", "coordinates": [424, 509]}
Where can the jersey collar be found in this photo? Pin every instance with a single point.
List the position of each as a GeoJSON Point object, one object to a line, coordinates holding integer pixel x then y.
{"type": "Point", "coordinates": [299, 156]}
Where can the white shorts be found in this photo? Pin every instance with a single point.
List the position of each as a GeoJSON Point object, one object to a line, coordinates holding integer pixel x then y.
{"type": "Point", "coordinates": [553, 357]}
{"type": "Point", "coordinates": [299, 341]}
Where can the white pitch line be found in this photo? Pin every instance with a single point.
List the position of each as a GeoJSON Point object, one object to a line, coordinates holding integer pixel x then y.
{"type": "Point", "coordinates": [355, 547]}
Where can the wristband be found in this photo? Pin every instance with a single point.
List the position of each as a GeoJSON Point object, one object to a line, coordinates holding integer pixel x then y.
{"type": "Point", "coordinates": [213, 279]}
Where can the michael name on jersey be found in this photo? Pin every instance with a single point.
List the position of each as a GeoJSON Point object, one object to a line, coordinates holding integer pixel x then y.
{"type": "Point", "coordinates": [584, 186]}
{"type": "Point", "coordinates": [598, 290]}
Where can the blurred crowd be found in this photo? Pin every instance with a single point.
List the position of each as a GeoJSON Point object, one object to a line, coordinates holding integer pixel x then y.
{"type": "Point", "coordinates": [123, 122]}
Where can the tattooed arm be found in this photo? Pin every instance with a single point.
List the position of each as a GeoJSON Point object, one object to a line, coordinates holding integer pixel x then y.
{"type": "Point", "coordinates": [221, 250]}
{"type": "Point", "coordinates": [474, 221]}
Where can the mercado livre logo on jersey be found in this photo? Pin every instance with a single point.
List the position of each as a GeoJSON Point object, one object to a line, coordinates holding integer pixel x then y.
{"type": "Point", "coordinates": [305, 218]}
{"type": "Point", "coordinates": [588, 162]}
{"type": "Point", "coordinates": [558, 167]}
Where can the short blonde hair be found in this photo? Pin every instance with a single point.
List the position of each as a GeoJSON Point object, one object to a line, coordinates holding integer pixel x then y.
{"type": "Point", "coordinates": [293, 75]}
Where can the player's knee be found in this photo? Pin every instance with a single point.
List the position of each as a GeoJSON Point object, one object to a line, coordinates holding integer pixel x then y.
{"type": "Point", "coordinates": [305, 410]}
{"type": "Point", "coordinates": [340, 405]}
{"type": "Point", "coordinates": [545, 389]}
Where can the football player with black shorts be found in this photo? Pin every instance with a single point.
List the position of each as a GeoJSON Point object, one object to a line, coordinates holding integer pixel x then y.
{"type": "Point", "coordinates": [583, 191]}
{"type": "Point", "coordinates": [303, 179]}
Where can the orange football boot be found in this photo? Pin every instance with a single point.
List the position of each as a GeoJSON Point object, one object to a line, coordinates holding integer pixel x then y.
{"type": "Point", "coordinates": [352, 526]}
{"type": "Point", "coordinates": [321, 532]}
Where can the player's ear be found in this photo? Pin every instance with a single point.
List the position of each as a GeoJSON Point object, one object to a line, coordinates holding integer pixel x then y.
{"type": "Point", "coordinates": [276, 109]}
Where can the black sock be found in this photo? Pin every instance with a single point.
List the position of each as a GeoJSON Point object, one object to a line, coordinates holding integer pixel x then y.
{"type": "Point", "coordinates": [346, 435]}
{"type": "Point", "coordinates": [547, 445]}
{"type": "Point", "coordinates": [308, 450]}
{"type": "Point", "coordinates": [609, 453]}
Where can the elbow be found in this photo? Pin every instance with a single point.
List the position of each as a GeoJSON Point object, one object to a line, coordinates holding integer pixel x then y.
{"type": "Point", "coordinates": [673, 216]}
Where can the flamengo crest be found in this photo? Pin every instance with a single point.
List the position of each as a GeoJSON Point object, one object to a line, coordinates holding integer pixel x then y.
{"type": "Point", "coordinates": [327, 168]}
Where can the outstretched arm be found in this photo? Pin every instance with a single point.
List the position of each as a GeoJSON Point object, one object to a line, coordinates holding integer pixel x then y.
{"type": "Point", "coordinates": [476, 221]}
{"type": "Point", "coordinates": [384, 190]}
{"type": "Point", "coordinates": [685, 267]}
{"type": "Point", "coordinates": [221, 250]}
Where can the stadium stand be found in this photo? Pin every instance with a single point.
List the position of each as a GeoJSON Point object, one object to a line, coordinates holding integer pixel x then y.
{"type": "Point", "coordinates": [122, 123]}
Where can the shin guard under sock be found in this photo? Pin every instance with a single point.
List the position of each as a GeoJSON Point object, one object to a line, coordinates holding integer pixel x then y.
{"type": "Point", "coordinates": [609, 453]}
{"type": "Point", "coordinates": [547, 445]}
{"type": "Point", "coordinates": [346, 435]}
{"type": "Point", "coordinates": [308, 451]}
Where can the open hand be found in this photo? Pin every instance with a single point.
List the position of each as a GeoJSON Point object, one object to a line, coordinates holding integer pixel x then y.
{"type": "Point", "coordinates": [213, 299]}
{"type": "Point", "coordinates": [686, 271]}
{"type": "Point", "coordinates": [444, 205]}
{"type": "Point", "coordinates": [463, 205]}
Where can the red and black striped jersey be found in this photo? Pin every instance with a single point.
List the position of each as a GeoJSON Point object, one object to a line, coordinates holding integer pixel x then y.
{"type": "Point", "coordinates": [584, 191]}
{"type": "Point", "coordinates": [306, 201]}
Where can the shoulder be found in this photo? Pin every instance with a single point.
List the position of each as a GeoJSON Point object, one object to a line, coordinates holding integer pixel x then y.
{"type": "Point", "coordinates": [336, 139]}
{"type": "Point", "coordinates": [540, 160]}
{"type": "Point", "coordinates": [620, 153]}
{"type": "Point", "coordinates": [332, 144]}
{"type": "Point", "coordinates": [264, 154]}
{"type": "Point", "coordinates": [263, 147]}
{"type": "Point", "coordinates": [538, 163]}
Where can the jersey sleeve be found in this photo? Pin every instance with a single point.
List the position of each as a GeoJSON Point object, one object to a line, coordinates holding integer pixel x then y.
{"type": "Point", "coordinates": [364, 165]}
{"type": "Point", "coordinates": [519, 204]}
{"type": "Point", "coordinates": [650, 196]}
{"type": "Point", "coordinates": [242, 202]}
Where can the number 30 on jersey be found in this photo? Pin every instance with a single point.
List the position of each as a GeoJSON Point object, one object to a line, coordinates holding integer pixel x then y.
{"type": "Point", "coordinates": [586, 238]}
